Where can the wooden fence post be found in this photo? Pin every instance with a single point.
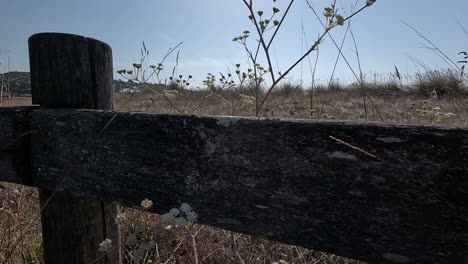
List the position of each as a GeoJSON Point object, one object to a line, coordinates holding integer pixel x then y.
{"type": "Point", "coordinates": [73, 71]}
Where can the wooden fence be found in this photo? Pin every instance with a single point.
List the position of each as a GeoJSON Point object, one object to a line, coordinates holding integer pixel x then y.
{"type": "Point", "coordinates": [374, 192]}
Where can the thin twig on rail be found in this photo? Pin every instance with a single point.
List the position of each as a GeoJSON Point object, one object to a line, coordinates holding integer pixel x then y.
{"type": "Point", "coordinates": [355, 148]}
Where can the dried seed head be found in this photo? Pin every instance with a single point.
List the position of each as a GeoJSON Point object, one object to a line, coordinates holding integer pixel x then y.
{"type": "Point", "coordinates": [339, 19]}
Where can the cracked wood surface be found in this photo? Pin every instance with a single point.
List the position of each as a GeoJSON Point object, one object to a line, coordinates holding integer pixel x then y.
{"type": "Point", "coordinates": [374, 192]}
{"type": "Point", "coordinates": [379, 193]}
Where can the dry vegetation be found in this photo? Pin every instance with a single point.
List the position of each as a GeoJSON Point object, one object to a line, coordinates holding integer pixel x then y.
{"type": "Point", "coordinates": [376, 102]}
{"type": "Point", "coordinates": [434, 98]}
{"type": "Point", "coordinates": [191, 243]}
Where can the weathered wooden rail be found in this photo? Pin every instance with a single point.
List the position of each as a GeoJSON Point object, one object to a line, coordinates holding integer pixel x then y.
{"type": "Point", "coordinates": [374, 192]}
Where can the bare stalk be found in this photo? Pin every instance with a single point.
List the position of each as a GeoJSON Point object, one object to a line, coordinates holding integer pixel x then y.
{"type": "Point", "coordinates": [274, 80]}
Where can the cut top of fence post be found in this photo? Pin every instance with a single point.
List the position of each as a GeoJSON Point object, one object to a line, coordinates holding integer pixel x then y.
{"type": "Point", "coordinates": [66, 70]}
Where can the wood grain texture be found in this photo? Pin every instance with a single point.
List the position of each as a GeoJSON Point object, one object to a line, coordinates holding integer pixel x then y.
{"type": "Point", "coordinates": [73, 71]}
{"type": "Point", "coordinates": [100, 55]}
{"type": "Point", "coordinates": [70, 71]}
{"type": "Point", "coordinates": [14, 145]}
{"type": "Point", "coordinates": [60, 68]}
{"type": "Point", "coordinates": [390, 194]}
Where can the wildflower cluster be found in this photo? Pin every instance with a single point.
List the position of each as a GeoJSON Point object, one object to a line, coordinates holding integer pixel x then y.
{"type": "Point", "coordinates": [170, 93]}
{"type": "Point", "coordinates": [209, 81]}
{"type": "Point", "coordinates": [181, 81]}
{"type": "Point", "coordinates": [247, 100]}
{"type": "Point", "coordinates": [225, 81]}
{"type": "Point", "coordinates": [242, 38]}
{"type": "Point", "coordinates": [263, 23]}
{"type": "Point", "coordinates": [254, 78]}
{"type": "Point", "coordinates": [142, 71]}
{"type": "Point", "coordinates": [106, 245]}
{"type": "Point", "coordinates": [180, 216]}
{"type": "Point", "coordinates": [434, 113]}
{"type": "Point", "coordinates": [141, 240]}
{"type": "Point", "coordinates": [441, 116]}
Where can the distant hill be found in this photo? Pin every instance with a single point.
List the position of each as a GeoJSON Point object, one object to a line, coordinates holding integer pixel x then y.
{"type": "Point", "coordinates": [20, 83]}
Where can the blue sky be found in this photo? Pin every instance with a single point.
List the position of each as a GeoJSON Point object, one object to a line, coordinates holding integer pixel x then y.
{"type": "Point", "coordinates": [207, 27]}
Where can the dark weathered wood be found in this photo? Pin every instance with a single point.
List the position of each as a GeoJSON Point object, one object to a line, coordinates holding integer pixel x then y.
{"type": "Point", "coordinates": [14, 145]}
{"type": "Point", "coordinates": [73, 71]}
{"type": "Point", "coordinates": [404, 200]}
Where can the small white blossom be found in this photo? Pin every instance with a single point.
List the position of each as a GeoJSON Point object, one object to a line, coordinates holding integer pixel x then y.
{"type": "Point", "coordinates": [146, 204]}
{"type": "Point", "coordinates": [105, 245]}
{"type": "Point", "coordinates": [192, 216]}
{"type": "Point", "coordinates": [120, 217]}
{"type": "Point", "coordinates": [185, 207]}
{"type": "Point", "coordinates": [174, 212]}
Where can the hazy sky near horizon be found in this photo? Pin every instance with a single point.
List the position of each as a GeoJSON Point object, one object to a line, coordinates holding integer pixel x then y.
{"type": "Point", "coordinates": [207, 27]}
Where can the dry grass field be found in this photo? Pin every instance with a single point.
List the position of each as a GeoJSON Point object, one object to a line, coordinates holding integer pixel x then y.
{"type": "Point", "coordinates": [337, 104]}
{"type": "Point", "coordinates": [19, 213]}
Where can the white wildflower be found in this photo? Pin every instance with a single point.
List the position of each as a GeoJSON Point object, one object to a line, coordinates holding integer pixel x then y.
{"type": "Point", "coordinates": [170, 93]}
{"type": "Point", "coordinates": [105, 245]}
{"type": "Point", "coordinates": [192, 216]}
{"type": "Point", "coordinates": [146, 204]}
{"type": "Point", "coordinates": [185, 207]}
{"type": "Point", "coordinates": [174, 212]}
{"type": "Point", "coordinates": [120, 216]}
